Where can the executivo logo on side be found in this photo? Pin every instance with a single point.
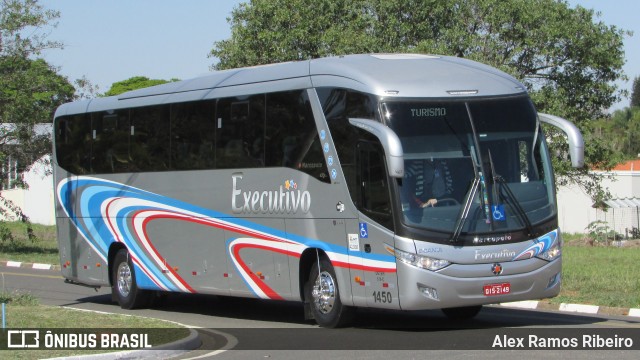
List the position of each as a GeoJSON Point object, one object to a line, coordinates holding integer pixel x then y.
{"type": "Point", "coordinates": [286, 199]}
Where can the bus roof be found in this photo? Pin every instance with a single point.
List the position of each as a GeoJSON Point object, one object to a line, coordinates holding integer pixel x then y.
{"type": "Point", "coordinates": [388, 75]}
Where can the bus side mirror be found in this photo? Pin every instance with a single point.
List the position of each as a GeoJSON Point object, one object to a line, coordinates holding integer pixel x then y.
{"type": "Point", "coordinates": [576, 144]}
{"type": "Point", "coordinates": [390, 143]}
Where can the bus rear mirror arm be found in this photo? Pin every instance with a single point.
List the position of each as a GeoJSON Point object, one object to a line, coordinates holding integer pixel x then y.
{"type": "Point", "coordinates": [390, 143]}
{"type": "Point", "coordinates": [576, 144]}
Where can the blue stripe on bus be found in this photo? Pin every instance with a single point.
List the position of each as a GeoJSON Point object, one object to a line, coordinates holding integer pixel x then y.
{"type": "Point", "coordinates": [95, 228]}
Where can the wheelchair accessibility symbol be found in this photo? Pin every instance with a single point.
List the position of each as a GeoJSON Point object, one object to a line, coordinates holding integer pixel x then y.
{"type": "Point", "coordinates": [498, 212]}
{"type": "Point", "coordinates": [364, 233]}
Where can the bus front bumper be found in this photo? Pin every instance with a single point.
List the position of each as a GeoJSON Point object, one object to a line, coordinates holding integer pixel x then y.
{"type": "Point", "coordinates": [422, 289]}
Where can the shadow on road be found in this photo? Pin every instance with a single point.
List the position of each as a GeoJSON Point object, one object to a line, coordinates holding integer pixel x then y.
{"type": "Point", "coordinates": [283, 312]}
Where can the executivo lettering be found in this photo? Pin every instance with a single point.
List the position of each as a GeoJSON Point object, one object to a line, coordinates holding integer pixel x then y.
{"type": "Point", "coordinates": [494, 255]}
{"type": "Point", "coordinates": [286, 199]}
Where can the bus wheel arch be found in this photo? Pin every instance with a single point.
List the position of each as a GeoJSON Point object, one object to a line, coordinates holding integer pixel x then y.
{"type": "Point", "coordinates": [113, 250]}
{"type": "Point", "coordinates": [124, 287]}
{"type": "Point", "coordinates": [308, 258]}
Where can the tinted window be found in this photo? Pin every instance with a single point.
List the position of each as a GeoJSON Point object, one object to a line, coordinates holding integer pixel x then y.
{"type": "Point", "coordinates": [339, 105]}
{"type": "Point", "coordinates": [149, 148]}
{"type": "Point", "coordinates": [240, 132]}
{"type": "Point", "coordinates": [227, 133]}
{"type": "Point", "coordinates": [110, 147]}
{"type": "Point", "coordinates": [292, 135]}
{"type": "Point", "coordinates": [373, 200]}
{"type": "Point", "coordinates": [193, 136]}
{"type": "Point", "coordinates": [73, 143]}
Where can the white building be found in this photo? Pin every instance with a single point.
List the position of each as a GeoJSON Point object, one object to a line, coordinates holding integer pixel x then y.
{"type": "Point", "coordinates": [37, 201]}
{"type": "Point", "coordinates": [576, 209]}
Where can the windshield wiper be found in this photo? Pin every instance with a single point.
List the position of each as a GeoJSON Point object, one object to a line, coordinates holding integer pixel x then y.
{"type": "Point", "coordinates": [509, 196]}
{"type": "Point", "coordinates": [465, 209]}
{"type": "Point", "coordinates": [478, 180]}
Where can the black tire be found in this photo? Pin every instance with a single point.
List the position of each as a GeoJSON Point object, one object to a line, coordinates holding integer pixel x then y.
{"type": "Point", "coordinates": [462, 313]}
{"type": "Point", "coordinates": [124, 287]}
{"type": "Point", "coordinates": [323, 295]}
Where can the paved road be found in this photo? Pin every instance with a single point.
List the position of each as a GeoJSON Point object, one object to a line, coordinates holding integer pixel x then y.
{"type": "Point", "coordinates": [266, 329]}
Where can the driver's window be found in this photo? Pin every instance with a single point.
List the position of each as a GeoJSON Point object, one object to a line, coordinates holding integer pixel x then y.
{"type": "Point", "coordinates": [373, 199]}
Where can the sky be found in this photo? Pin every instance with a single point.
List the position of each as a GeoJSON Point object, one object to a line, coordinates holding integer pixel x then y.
{"type": "Point", "coordinates": [112, 40]}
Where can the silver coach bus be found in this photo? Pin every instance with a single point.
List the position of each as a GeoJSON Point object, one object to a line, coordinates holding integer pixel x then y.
{"type": "Point", "coordinates": [390, 181]}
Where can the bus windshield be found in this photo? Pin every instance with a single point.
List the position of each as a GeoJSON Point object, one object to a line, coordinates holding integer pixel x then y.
{"type": "Point", "coordinates": [472, 166]}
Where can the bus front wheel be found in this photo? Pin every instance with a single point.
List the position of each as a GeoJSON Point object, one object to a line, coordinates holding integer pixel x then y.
{"type": "Point", "coordinates": [323, 294]}
{"type": "Point", "coordinates": [124, 286]}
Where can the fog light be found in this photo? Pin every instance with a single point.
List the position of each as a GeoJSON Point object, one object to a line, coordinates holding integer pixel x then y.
{"type": "Point", "coordinates": [429, 292]}
{"type": "Point", "coordinates": [553, 280]}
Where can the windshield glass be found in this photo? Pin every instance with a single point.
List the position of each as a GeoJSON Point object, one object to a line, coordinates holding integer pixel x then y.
{"type": "Point", "coordinates": [472, 166]}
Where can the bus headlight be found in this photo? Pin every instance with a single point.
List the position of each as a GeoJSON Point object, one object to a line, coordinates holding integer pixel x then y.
{"type": "Point", "coordinates": [553, 253]}
{"type": "Point", "coordinates": [423, 262]}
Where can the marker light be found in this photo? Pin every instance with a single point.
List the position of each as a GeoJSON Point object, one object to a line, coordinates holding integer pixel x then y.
{"type": "Point", "coordinates": [462, 92]}
{"type": "Point", "coordinates": [423, 262]}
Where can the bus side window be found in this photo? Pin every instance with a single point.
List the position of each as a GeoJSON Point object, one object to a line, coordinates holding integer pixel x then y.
{"type": "Point", "coordinates": [193, 135]}
{"type": "Point", "coordinates": [291, 134]}
{"type": "Point", "coordinates": [149, 147]}
{"type": "Point", "coordinates": [240, 132]}
{"type": "Point", "coordinates": [73, 143]}
{"type": "Point", "coordinates": [110, 147]}
{"type": "Point", "coordinates": [373, 192]}
{"type": "Point", "coordinates": [338, 106]}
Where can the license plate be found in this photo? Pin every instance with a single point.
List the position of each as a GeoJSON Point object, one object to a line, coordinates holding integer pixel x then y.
{"type": "Point", "coordinates": [497, 289]}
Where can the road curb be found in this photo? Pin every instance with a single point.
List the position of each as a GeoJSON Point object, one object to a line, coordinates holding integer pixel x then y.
{"type": "Point", "coordinates": [36, 266]}
{"type": "Point", "coordinates": [573, 308]}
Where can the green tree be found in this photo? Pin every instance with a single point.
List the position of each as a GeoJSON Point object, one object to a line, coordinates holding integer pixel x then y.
{"type": "Point", "coordinates": [566, 57]}
{"type": "Point", "coordinates": [635, 92]}
{"type": "Point", "coordinates": [278, 30]}
{"type": "Point", "coordinates": [30, 88]}
{"type": "Point", "coordinates": [85, 89]}
{"type": "Point", "coordinates": [134, 83]}
{"type": "Point", "coordinates": [24, 28]}
{"type": "Point", "coordinates": [621, 131]}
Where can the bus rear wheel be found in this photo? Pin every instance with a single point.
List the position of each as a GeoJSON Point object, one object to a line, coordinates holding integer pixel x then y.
{"type": "Point", "coordinates": [124, 286]}
{"type": "Point", "coordinates": [324, 296]}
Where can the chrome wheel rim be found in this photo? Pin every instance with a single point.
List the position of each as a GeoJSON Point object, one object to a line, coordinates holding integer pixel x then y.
{"type": "Point", "coordinates": [324, 293]}
{"type": "Point", "coordinates": [124, 279]}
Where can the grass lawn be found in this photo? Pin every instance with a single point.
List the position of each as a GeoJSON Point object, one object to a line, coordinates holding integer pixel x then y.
{"type": "Point", "coordinates": [604, 276]}
{"type": "Point", "coordinates": [24, 312]}
{"type": "Point", "coordinates": [44, 249]}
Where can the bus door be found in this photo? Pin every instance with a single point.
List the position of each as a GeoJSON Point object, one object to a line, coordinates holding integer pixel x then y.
{"type": "Point", "coordinates": [374, 228]}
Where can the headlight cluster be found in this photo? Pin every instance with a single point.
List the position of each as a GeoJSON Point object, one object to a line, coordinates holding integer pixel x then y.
{"type": "Point", "coordinates": [420, 261]}
{"type": "Point", "coordinates": [553, 253]}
